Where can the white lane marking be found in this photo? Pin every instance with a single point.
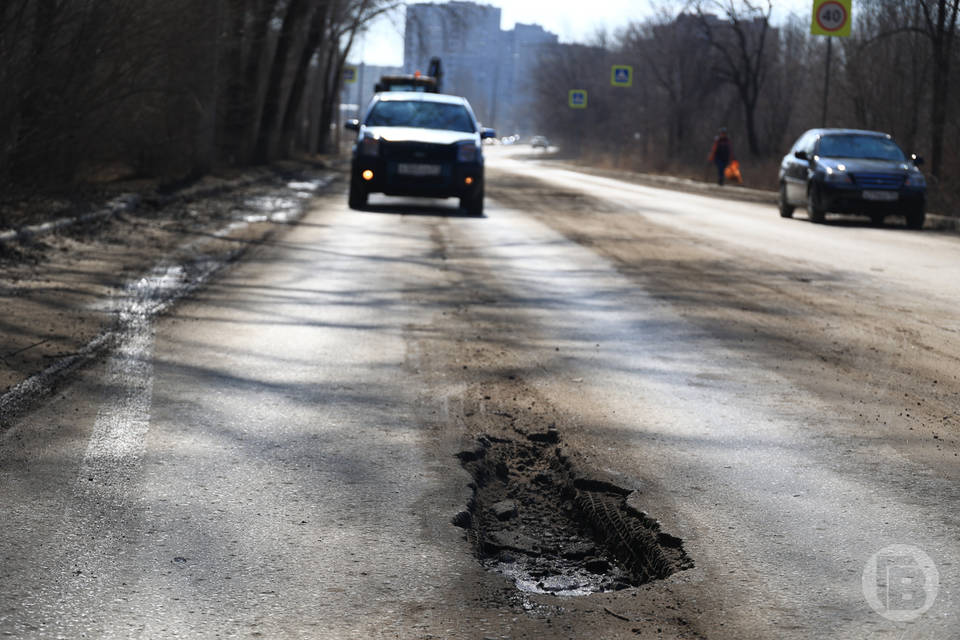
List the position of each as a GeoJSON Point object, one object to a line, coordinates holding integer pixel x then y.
{"type": "Point", "coordinates": [117, 443]}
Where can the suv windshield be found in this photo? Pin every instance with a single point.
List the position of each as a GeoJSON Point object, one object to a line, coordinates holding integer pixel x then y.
{"type": "Point", "coordinates": [854, 146]}
{"type": "Point", "coordinates": [420, 114]}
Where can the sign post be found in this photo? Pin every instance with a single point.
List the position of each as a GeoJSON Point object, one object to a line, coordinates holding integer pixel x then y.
{"type": "Point", "coordinates": [831, 18]}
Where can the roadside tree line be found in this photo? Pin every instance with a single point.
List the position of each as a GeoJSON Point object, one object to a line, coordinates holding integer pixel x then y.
{"type": "Point", "coordinates": [713, 63]}
{"type": "Point", "coordinates": [170, 88]}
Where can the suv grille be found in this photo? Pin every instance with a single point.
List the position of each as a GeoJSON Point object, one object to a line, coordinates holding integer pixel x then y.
{"type": "Point", "coordinates": [878, 180]}
{"type": "Point", "coordinates": [418, 152]}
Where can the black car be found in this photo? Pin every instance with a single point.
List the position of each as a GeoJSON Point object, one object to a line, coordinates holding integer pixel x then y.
{"type": "Point", "coordinates": [418, 144]}
{"type": "Point", "coordinates": [852, 171]}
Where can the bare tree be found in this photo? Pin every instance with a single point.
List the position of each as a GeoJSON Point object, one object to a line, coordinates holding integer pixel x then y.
{"type": "Point", "coordinates": [296, 16]}
{"type": "Point", "coordinates": [566, 67]}
{"type": "Point", "coordinates": [174, 88]}
{"type": "Point", "coordinates": [740, 41]}
{"type": "Point", "coordinates": [308, 55]}
{"type": "Point", "coordinates": [901, 57]}
{"type": "Point", "coordinates": [240, 125]}
{"type": "Point", "coordinates": [346, 21]}
{"type": "Point", "coordinates": [940, 25]}
{"type": "Point", "coordinates": [784, 101]}
{"type": "Point", "coordinates": [672, 48]}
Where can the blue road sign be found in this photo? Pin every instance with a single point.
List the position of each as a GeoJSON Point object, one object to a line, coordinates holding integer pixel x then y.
{"type": "Point", "coordinates": [621, 75]}
{"type": "Point", "coordinates": [578, 99]}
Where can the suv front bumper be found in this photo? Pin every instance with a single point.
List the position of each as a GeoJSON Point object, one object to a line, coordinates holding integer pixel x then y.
{"type": "Point", "coordinates": [448, 180]}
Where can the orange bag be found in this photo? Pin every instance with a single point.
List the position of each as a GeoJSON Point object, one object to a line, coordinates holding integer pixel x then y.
{"type": "Point", "coordinates": [732, 172]}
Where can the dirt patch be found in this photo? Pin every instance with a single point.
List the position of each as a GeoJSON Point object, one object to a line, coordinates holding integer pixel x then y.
{"type": "Point", "coordinates": [549, 527]}
{"type": "Point", "coordinates": [63, 291]}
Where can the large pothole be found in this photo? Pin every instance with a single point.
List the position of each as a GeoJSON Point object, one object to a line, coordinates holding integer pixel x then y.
{"type": "Point", "coordinates": [552, 528]}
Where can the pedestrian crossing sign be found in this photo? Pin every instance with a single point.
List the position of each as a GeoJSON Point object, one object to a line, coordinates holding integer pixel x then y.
{"type": "Point", "coordinates": [578, 99]}
{"type": "Point", "coordinates": [621, 75]}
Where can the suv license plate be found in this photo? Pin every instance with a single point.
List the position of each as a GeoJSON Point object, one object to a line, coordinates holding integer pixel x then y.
{"type": "Point", "coordinates": [881, 196]}
{"type": "Point", "coordinates": [413, 169]}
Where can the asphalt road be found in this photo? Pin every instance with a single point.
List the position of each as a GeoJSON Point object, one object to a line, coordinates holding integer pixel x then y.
{"type": "Point", "coordinates": [275, 456]}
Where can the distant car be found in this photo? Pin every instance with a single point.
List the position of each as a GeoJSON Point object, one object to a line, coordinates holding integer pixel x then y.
{"type": "Point", "coordinates": [852, 171]}
{"type": "Point", "coordinates": [539, 142]}
{"type": "Point", "coordinates": [418, 144]}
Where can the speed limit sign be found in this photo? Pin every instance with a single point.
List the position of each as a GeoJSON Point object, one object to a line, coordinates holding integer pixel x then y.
{"type": "Point", "coordinates": [831, 18]}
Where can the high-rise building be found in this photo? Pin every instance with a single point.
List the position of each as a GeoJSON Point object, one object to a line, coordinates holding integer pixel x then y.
{"type": "Point", "coordinates": [491, 67]}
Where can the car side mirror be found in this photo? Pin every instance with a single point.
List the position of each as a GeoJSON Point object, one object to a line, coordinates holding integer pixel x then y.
{"type": "Point", "coordinates": [917, 160]}
{"type": "Point", "coordinates": [353, 124]}
{"type": "Point", "coordinates": [801, 155]}
{"type": "Point", "coordinates": [487, 132]}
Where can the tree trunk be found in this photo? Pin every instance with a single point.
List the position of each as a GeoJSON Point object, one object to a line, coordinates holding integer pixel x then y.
{"type": "Point", "coordinates": [750, 120]}
{"type": "Point", "coordinates": [328, 97]}
{"type": "Point", "coordinates": [942, 34]}
{"type": "Point", "coordinates": [301, 76]}
{"type": "Point", "coordinates": [233, 92]}
{"type": "Point", "coordinates": [938, 113]}
{"type": "Point", "coordinates": [242, 125]}
{"type": "Point", "coordinates": [26, 147]}
{"type": "Point", "coordinates": [273, 100]}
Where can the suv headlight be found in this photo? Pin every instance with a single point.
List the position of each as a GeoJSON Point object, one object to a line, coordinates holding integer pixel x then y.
{"type": "Point", "coordinates": [915, 180]}
{"type": "Point", "coordinates": [369, 146]}
{"type": "Point", "coordinates": [467, 152]}
{"type": "Point", "coordinates": [835, 175]}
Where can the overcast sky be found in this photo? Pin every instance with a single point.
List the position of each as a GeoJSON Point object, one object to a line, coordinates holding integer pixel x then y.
{"type": "Point", "coordinates": [572, 20]}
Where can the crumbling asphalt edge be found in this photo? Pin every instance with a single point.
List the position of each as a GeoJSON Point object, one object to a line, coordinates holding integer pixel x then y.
{"type": "Point", "coordinates": [22, 396]}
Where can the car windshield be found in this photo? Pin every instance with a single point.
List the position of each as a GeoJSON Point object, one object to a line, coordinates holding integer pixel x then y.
{"type": "Point", "coordinates": [854, 146]}
{"type": "Point", "coordinates": [420, 114]}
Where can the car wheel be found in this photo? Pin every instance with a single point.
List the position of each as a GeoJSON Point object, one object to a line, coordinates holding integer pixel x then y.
{"type": "Point", "coordinates": [786, 209]}
{"type": "Point", "coordinates": [916, 218]}
{"type": "Point", "coordinates": [473, 204]}
{"type": "Point", "coordinates": [358, 195]}
{"type": "Point", "coordinates": [814, 209]}
{"type": "Point", "coordinates": [876, 219]}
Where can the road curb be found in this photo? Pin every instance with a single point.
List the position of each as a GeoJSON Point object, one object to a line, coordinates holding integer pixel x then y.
{"type": "Point", "coordinates": [126, 203]}
{"type": "Point", "coordinates": [120, 204]}
{"type": "Point", "coordinates": [934, 221]}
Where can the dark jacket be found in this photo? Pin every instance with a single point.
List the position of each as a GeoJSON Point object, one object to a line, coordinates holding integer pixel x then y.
{"type": "Point", "coordinates": [722, 151]}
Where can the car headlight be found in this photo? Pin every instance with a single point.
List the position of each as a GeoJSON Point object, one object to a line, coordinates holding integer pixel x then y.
{"type": "Point", "coordinates": [835, 175]}
{"type": "Point", "coordinates": [369, 146]}
{"type": "Point", "coordinates": [915, 180]}
{"type": "Point", "coordinates": [467, 152]}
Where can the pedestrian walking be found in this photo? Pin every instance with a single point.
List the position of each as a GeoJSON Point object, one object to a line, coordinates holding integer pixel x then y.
{"type": "Point", "coordinates": [721, 153]}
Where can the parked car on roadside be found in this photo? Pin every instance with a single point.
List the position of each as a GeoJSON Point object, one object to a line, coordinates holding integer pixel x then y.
{"type": "Point", "coordinates": [418, 144]}
{"type": "Point", "coordinates": [852, 171]}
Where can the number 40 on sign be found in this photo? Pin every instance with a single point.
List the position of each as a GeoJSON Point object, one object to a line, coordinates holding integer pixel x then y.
{"type": "Point", "coordinates": [831, 18]}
